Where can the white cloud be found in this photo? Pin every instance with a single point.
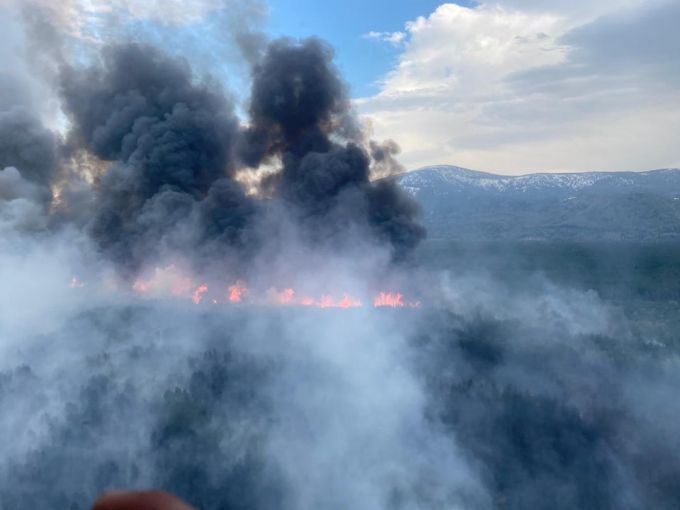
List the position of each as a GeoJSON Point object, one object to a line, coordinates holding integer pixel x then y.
{"type": "Point", "coordinates": [75, 13]}
{"type": "Point", "coordinates": [577, 10]}
{"type": "Point", "coordinates": [456, 47]}
{"type": "Point", "coordinates": [395, 38]}
{"type": "Point", "coordinates": [518, 87]}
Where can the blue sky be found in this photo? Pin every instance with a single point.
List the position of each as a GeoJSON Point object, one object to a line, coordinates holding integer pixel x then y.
{"type": "Point", "coordinates": [509, 86]}
{"type": "Point", "coordinates": [344, 24]}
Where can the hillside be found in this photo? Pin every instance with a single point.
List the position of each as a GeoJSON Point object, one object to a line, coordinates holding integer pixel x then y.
{"type": "Point", "coordinates": [464, 204]}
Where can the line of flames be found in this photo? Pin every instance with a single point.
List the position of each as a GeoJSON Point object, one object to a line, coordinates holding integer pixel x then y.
{"type": "Point", "coordinates": [168, 282]}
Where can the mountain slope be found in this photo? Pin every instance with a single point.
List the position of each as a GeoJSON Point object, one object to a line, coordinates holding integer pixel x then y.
{"type": "Point", "coordinates": [464, 204]}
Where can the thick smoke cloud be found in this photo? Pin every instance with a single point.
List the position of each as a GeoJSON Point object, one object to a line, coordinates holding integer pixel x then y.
{"type": "Point", "coordinates": [298, 110]}
{"type": "Point", "coordinates": [173, 144]}
{"type": "Point", "coordinates": [26, 145]}
{"type": "Point", "coordinates": [29, 163]}
{"type": "Point", "coordinates": [169, 141]}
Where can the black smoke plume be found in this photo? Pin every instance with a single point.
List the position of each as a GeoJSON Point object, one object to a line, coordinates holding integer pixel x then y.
{"type": "Point", "coordinates": [300, 113]}
{"type": "Point", "coordinates": [29, 163]}
{"type": "Point", "coordinates": [26, 145]}
{"type": "Point", "coordinates": [168, 140]}
{"type": "Point", "coordinates": [173, 144]}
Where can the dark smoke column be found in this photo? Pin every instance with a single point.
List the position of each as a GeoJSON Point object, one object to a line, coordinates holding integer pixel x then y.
{"type": "Point", "coordinates": [300, 112]}
{"type": "Point", "coordinates": [168, 144]}
{"type": "Point", "coordinates": [167, 139]}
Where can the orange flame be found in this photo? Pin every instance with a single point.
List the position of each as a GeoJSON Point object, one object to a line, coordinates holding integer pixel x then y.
{"type": "Point", "coordinates": [394, 300]}
{"type": "Point", "coordinates": [285, 297]}
{"type": "Point", "coordinates": [169, 281]}
{"type": "Point", "coordinates": [236, 292]}
{"type": "Point", "coordinates": [328, 301]}
{"type": "Point", "coordinates": [348, 302]}
{"type": "Point", "coordinates": [198, 293]}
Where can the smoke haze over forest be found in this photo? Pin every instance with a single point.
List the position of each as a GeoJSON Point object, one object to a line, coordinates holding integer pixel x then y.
{"type": "Point", "coordinates": [224, 294]}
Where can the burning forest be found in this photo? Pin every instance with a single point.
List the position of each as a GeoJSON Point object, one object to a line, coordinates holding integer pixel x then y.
{"type": "Point", "coordinates": [223, 299]}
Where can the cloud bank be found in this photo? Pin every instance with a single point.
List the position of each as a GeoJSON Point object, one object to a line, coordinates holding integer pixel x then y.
{"type": "Point", "coordinates": [516, 86]}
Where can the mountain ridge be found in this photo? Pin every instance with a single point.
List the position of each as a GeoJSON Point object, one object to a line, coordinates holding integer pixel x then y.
{"type": "Point", "coordinates": [573, 180]}
{"type": "Point", "coordinates": [465, 204]}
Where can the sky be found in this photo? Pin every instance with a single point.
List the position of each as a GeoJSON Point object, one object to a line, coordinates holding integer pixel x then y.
{"type": "Point", "coordinates": [511, 86]}
{"type": "Point", "coordinates": [346, 26]}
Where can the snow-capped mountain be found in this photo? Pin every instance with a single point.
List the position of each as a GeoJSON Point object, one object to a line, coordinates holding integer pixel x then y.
{"type": "Point", "coordinates": [453, 177]}
{"type": "Point", "coordinates": [467, 204]}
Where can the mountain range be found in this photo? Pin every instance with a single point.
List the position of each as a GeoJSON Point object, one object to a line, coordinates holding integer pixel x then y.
{"type": "Point", "coordinates": [464, 204]}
